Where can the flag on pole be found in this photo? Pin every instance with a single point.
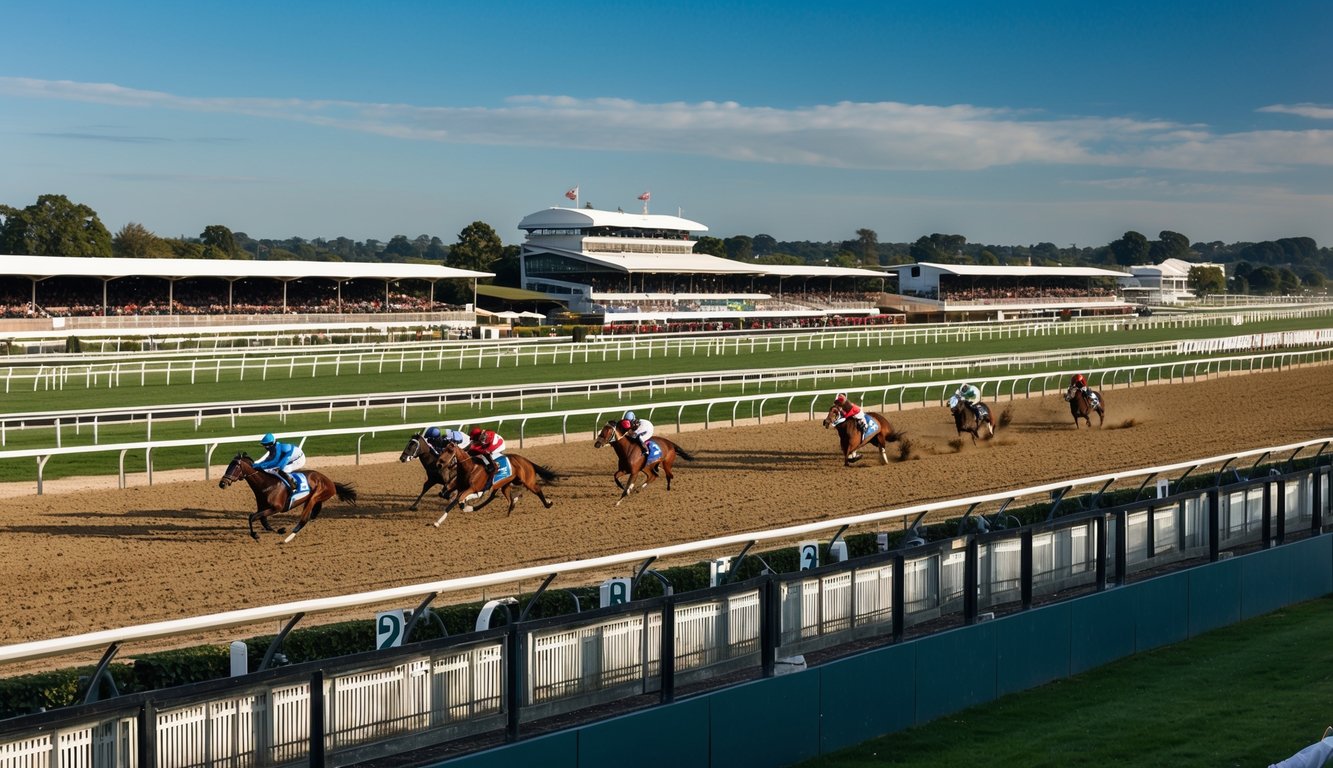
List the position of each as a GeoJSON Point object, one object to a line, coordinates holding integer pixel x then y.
{"type": "Point", "coordinates": [573, 193]}
{"type": "Point", "coordinates": [646, 196]}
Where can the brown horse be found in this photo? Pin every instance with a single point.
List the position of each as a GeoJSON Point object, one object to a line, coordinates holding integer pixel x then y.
{"type": "Point", "coordinates": [271, 495]}
{"type": "Point", "coordinates": [431, 460]}
{"type": "Point", "coordinates": [470, 478]}
{"type": "Point", "coordinates": [632, 459]}
{"type": "Point", "coordinates": [966, 419]}
{"type": "Point", "coordinates": [850, 438]}
{"type": "Point", "coordinates": [1081, 406]}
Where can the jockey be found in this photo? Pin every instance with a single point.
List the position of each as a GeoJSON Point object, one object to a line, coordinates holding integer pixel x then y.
{"type": "Point", "coordinates": [1080, 382]}
{"type": "Point", "coordinates": [486, 445]}
{"type": "Point", "coordinates": [281, 459]}
{"type": "Point", "coordinates": [437, 438]}
{"type": "Point", "coordinates": [970, 395]}
{"type": "Point", "coordinates": [850, 410]}
{"type": "Point", "coordinates": [638, 430]}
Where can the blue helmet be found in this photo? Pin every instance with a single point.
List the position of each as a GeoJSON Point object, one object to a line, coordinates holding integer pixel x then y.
{"type": "Point", "coordinates": [433, 433]}
{"type": "Point", "coordinates": [629, 416]}
{"type": "Point", "coordinates": [268, 440]}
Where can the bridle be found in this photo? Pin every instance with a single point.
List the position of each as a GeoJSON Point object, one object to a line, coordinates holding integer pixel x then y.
{"type": "Point", "coordinates": [243, 470]}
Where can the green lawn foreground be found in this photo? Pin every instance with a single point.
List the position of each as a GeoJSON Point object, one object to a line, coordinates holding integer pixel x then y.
{"type": "Point", "coordinates": [1246, 695]}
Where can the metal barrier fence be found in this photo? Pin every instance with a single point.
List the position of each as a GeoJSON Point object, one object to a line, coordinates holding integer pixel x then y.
{"type": "Point", "coordinates": [781, 405]}
{"type": "Point", "coordinates": [356, 708]}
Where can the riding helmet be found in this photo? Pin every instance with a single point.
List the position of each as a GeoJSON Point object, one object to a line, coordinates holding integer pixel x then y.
{"type": "Point", "coordinates": [432, 433]}
{"type": "Point", "coordinates": [840, 398]}
{"type": "Point", "coordinates": [629, 416]}
{"type": "Point", "coordinates": [268, 439]}
{"type": "Point", "coordinates": [475, 433]}
{"type": "Point", "coordinates": [625, 424]}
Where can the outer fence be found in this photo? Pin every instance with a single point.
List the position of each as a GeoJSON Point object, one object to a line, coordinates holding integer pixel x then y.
{"type": "Point", "coordinates": [729, 410]}
{"type": "Point", "coordinates": [498, 681]}
{"type": "Point", "coordinates": [251, 364]}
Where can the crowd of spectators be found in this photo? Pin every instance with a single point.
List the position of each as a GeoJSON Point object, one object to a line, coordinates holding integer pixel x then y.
{"type": "Point", "coordinates": [1022, 293]}
{"type": "Point", "coordinates": [783, 323]}
{"type": "Point", "coordinates": [73, 299]}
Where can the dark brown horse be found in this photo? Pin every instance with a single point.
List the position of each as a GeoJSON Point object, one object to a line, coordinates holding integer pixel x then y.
{"type": "Point", "coordinates": [271, 495]}
{"type": "Point", "coordinates": [470, 478]}
{"type": "Point", "coordinates": [632, 459]}
{"type": "Point", "coordinates": [851, 441]}
{"type": "Point", "coordinates": [965, 418]}
{"type": "Point", "coordinates": [431, 460]}
{"type": "Point", "coordinates": [1081, 406]}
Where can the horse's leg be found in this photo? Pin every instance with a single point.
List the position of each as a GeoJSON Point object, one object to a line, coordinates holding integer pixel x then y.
{"type": "Point", "coordinates": [666, 470]}
{"type": "Point", "coordinates": [511, 497]}
{"type": "Point", "coordinates": [619, 474]}
{"type": "Point", "coordinates": [448, 505]}
{"type": "Point", "coordinates": [426, 486]}
{"type": "Point", "coordinates": [254, 516]}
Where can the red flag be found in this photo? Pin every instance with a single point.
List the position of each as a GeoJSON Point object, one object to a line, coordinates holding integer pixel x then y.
{"type": "Point", "coordinates": [573, 194]}
{"type": "Point", "coordinates": [646, 196]}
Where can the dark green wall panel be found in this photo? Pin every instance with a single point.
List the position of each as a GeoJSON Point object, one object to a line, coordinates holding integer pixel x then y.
{"type": "Point", "coordinates": [1264, 585]}
{"type": "Point", "coordinates": [558, 750]}
{"type": "Point", "coordinates": [766, 724]}
{"type": "Point", "coordinates": [1312, 568]}
{"type": "Point", "coordinates": [954, 670]}
{"type": "Point", "coordinates": [1161, 610]}
{"type": "Point", "coordinates": [867, 695]}
{"type": "Point", "coordinates": [1100, 630]}
{"type": "Point", "coordinates": [1031, 648]}
{"type": "Point", "coordinates": [663, 737]}
{"type": "Point", "coordinates": [1214, 599]}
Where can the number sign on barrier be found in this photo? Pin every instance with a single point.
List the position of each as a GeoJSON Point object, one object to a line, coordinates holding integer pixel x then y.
{"type": "Point", "coordinates": [389, 629]}
{"type": "Point", "coordinates": [615, 592]}
{"type": "Point", "coordinates": [809, 554]}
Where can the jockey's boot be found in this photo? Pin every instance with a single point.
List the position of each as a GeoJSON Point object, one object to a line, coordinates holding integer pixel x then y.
{"type": "Point", "coordinates": [863, 424]}
{"type": "Point", "coordinates": [288, 479]}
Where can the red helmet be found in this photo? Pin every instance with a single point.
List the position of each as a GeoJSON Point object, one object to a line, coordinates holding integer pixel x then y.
{"type": "Point", "coordinates": [624, 424]}
{"type": "Point", "coordinates": [1078, 379]}
{"type": "Point", "coordinates": [475, 433]}
{"type": "Point", "coordinates": [840, 399]}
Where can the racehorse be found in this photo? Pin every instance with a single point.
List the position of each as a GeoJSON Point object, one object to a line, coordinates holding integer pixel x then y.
{"type": "Point", "coordinates": [432, 462]}
{"type": "Point", "coordinates": [1081, 407]}
{"type": "Point", "coordinates": [965, 419]}
{"type": "Point", "coordinates": [851, 439]}
{"type": "Point", "coordinates": [632, 460]}
{"type": "Point", "coordinates": [271, 495]}
{"type": "Point", "coordinates": [470, 479]}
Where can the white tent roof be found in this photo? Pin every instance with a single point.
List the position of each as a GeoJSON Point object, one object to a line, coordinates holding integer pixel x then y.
{"type": "Point", "coordinates": [41, 267]}
{"type": "Point", "coordinates": [801, 270]}
{"type": "Point", "coordinates": [979, 270]}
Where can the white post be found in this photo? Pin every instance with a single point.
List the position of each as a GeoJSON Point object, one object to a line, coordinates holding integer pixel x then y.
{"type": "Point", "coordinates": [240, 658]}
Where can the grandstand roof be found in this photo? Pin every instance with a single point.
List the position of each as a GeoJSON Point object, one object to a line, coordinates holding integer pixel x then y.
{"type": "Point", "coordinates": [563, 218]}
{"type": "Point", "coordinates": [979, 270]}
{"type": "Point", "coordinates": [802, 270]}
{"type": "Point", "coordinates": [41, 267]}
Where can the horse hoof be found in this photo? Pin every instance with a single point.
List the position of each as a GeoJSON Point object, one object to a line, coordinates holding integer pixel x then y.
{"type": "Point", "coordinates": [853, 459]}
{"type": "Point", "coordinates": [282, 530]}
{"type": "Point", "coordinates": [254, 535]}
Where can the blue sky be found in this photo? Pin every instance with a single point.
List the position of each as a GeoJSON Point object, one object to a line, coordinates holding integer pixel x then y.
{"type": "Point", "coordinates": [1008, 123]}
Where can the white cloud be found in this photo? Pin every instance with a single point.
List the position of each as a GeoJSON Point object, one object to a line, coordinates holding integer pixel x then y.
{"type": "Point", "coordinates": [1313, 111]}
{"type": "Point", "coordinates": [869, 136]}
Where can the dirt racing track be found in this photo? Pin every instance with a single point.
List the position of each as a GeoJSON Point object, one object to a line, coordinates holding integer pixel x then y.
{"type": "Point", "coordinates": [101, 558]}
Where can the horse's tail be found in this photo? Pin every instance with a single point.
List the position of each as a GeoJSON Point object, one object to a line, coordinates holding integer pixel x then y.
{"type": "Point", "coordinates": [545, 473]}
{"type": "Point", "coordinates": [346, 493]}
{"type": "Point", "coordinates": [684, 454]}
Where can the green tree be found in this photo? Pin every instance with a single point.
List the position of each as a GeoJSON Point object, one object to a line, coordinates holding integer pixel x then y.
{"type": "Point", "coordinates": [54, 226]}
{"type": "Point", "coordinates": [868, 246]}
{"type": "Point", "coordinates": [1169, 245]}
{"type": "Point", "coordinates": [712, 246]}
{"type": "Point", "coordinates": [1264, 279]}
{"type": "Point", "coordinates": [400, 249]}
{"type": "Point", "coordinates": [1206, 280]}
{"type": "Point", "coordinates": [764, 245]}
{"type": "Point", "coordinates": [1313, 279]}
{"type": "Point", "coordinates": [219, 243]}
{"type": "Point", "coordinates": [135, 241]}
{"type": "Point", "coordinates": [1130, 249]}
{"type": "Point", "coordinates": [477, 247]}
{"type": "Point", "coordinates": [739, 248]}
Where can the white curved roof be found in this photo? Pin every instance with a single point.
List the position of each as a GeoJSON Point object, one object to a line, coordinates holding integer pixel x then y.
{"type": "Point", "coordinates": [565, 218]}
{"type": "Point", "coordinates": [41, 267]}
{"type": "Point", "coordinates": [980, 270]}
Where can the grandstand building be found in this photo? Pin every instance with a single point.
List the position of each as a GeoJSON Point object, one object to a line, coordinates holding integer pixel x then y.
{"type": "Point", "coordinates": [1165, 283]}
{"type": "Point", "coordinates": [940, 292]}
{"type": "Point", "coordinates": [55, 292]}
{"type": "Point", "coordinates": [634, 269]}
